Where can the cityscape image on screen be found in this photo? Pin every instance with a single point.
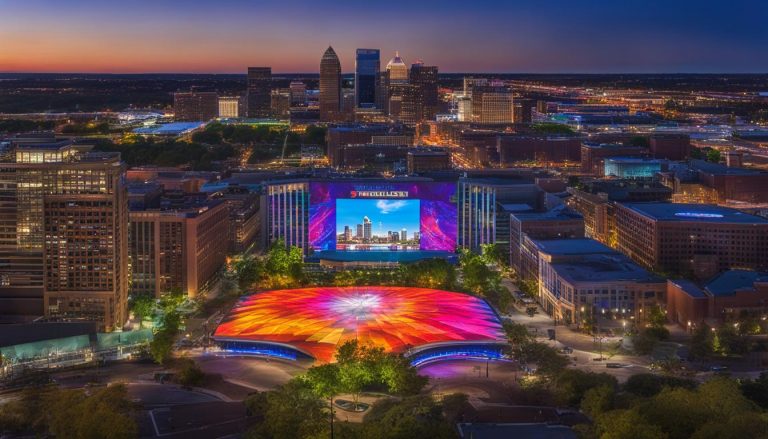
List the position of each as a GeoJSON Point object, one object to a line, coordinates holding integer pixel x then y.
{"type": "Point", "coordinates": [377, 224]}
{"type": "Point", "coordinates": [407, 216]}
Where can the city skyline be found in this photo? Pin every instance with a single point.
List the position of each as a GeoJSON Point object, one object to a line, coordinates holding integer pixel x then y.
{"type": "Point", "coordinates": [556, 37]}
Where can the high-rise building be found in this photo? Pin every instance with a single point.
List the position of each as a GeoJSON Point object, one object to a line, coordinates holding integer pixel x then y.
{"type": "Point", "coordinates": [404, 234]}
{"type": "Point", "coordinates": [195, 106]}
{"type": "Point", "coordinates": [280, 102]}
{"type": "Point", "coordinates": [298, 93]}
{"type": "Point", "coordinates": [367, 65]}
{"type": "Point", "coordinates": [359, 231]}
{"type": "Point", "coordinates": [469, 83]}
{"type": "Point", "coordinates": [425, 79]}
{"type": "Point", "coordinates": [229, 106]}
{"type": "Point", "coordinates": [367, 229]}
{"type": "Point", "coordinates": [492, 105]}
{"type": "Point", "coordinates": [398, 71]}
{"type": "Point", "coordinates": [523, 110]}
{"type": "Point", "coordinates": [63, 233]}
{"type": "Point", "coordinates": [177, 248]}
{"type": "Point", "coordinates": [330, 86]}
{"type": "Point", "coordinates": [259, 88]}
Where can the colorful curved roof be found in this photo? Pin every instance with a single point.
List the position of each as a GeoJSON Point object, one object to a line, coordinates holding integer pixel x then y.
{"type": "Point", "coordinates": [317, 320]}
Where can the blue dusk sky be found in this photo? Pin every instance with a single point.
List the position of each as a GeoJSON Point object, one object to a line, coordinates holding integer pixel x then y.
{"type": "Point", "coordinates": [392, 214]}
{"type": "Point", "coordinates": [227, 36]}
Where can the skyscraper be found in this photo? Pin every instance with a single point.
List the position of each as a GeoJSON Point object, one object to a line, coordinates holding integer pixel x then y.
{"type": "Point", "coordinates": [367, 229]}
{"type": "Point", "coordinates": [492, 104]}
{"type": "Point", "coordinates": [398, 71]}
{"type": "Point", "coordinates": [298, 94]}
{"type": "Point", "coordinates": [195, 106]}
{"type": "Point", "coordinates": [330, 86]}
{"type": "Point", "coordinates": [63, 233]}
{"type": "Point", "coordinates": [259, 88]}
{"type": "Point", "coordinates": [425, 79]}
{"type": "Point", "coordinates": [367, 65]}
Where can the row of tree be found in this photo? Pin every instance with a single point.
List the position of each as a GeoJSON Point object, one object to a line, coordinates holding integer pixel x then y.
{"type": "Point", "coordinates": [282, 266]}
{"type": "Point", "coordinates": [105, 413]}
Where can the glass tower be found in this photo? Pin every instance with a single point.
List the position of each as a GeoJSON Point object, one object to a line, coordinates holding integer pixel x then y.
{"type": "Point", "coordinates": [367, 64]}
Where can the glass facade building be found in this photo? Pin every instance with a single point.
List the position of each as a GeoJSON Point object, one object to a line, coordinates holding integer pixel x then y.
{"type": "Point", "coordinates": [367, 65]}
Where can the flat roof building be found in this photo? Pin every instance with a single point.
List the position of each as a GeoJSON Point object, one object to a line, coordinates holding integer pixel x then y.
{"type": "Point", "coordinates": [720, 300]}
{"type": "Point", "coordinates": [692, 239]}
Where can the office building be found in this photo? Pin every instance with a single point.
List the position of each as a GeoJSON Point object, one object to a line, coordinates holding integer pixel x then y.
{"type": "Point", "coordinates": [367, 66]}
{"type": "Point", "coordinates": [557, 223]}
{"type": "Point", "coordinates": [670, 146]}
{"type": "Point", "coordinates": [285, 214]}
{"type": "Point", "coordinates": [330, 86]}
{"type": "Point", "coordinates": [258, 92]}
{"type": "Point", "coordinates": [195, 106]}
{"type": "Point", "coordinates": [298, 94]}
{"type": "Point", "coordinates": [721, 300]}
{"type": "Point", "coordinates": [515, 148]}
{"type": "Point", "coordinates": [631, 167]}
{"type": "Point", "coordinates": [596, 201]}
{"type": "Point", "coordinates": [470, 83]}
{"type": "Point", "coordinates": [522, 111]}
{"type": "Point", "coordinates": [280, 103]}
{"type": "Point", "coordinates": [63, 239]}
{"type": "Point", "coordinates": [424, 78]}
{"type": "Point", "coordinates": [691, 239]}
{"type": "Point", "coordinates": [177, 249]}
{"type": "Point", "coordinates": [398, 71]}
{"type": "Point", "coordinates": [593, 155]}
{"type": "Point", "coordinates": [492, 105]}
{"type": "Point", "coordinates": [229, 106]}
{"type": "Point", "coordinates": [425, 160]}
{"type": "Point", "coordinates": [574, 285]}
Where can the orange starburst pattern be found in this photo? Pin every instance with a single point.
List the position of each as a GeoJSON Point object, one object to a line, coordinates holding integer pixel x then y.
{"type": "Point", "coordinates": [316, 320]}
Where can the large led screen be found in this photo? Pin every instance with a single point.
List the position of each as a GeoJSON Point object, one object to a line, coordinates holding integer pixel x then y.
{"type": "Point", "coordinates": [316, 321]}
{"type": "Point", "coordinates": [365, 216]}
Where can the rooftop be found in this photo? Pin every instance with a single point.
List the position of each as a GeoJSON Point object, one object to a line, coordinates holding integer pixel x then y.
{"type": "Point", "coordinates": [633, 160]}
{"type": "Point", "coordinates": [693, 212]}
{"type": "Point", "coordinates": [559, 213]}
{"type": "Point", "coordinates": [578, 246]}
{"type": "Point", "coordinates": [169, 129]}
{"type": "Point", "coordinates": [728, 282]}
{"type": "Point", "coordinates": [604, 268]}
{"type": "Point", "coordinates": [690, 288]}
{"type": "Point", "coordinates": [719, 169]}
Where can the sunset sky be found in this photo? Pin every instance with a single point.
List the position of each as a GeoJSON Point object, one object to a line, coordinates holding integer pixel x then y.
{"type": "Point", "coordinates": [226, 36]}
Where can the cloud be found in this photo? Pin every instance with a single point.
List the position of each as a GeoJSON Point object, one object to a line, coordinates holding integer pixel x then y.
{"type": "Point", "coordinates": [387, 206]}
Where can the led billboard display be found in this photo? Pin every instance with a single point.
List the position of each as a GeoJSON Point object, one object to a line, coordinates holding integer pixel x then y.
{"type": "Point", "coordinates": [366, 216]}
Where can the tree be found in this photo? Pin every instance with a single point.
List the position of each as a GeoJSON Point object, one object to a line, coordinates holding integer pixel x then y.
{"type": "Point", "coordinates": [143, 307]}
{"type": "Point", "coordinates": [572, 384]}
{"type": "Point", "coordinates": [283, 266]}
{"type": "Point", "coordinates": [292, 411]}
{"type": "Point", "coordinates": [622, 424]}
{"type": "Point", "coordinates": [413, 417]}
{"type": "Point", "coordinates": [757, 390]}
{"type": "Point", "coordinates": [494, 254]}
{"type": "Point", "coordinates": [713, 156]}
{"type": "Point", "coordinates": [598, 400]}
{"type": "Point", "coordinates": [429, 273]}
{"type": "Point", "coordinates": [647, 385]}
{"type": "Point", "coordinates": [701, 342]}
{"type": "Point", "coordinates": [161, 346]}
{"type": "Point", "coordinates": [190, 374]}
{"type": "Point", "coordinates": [106, 413]}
